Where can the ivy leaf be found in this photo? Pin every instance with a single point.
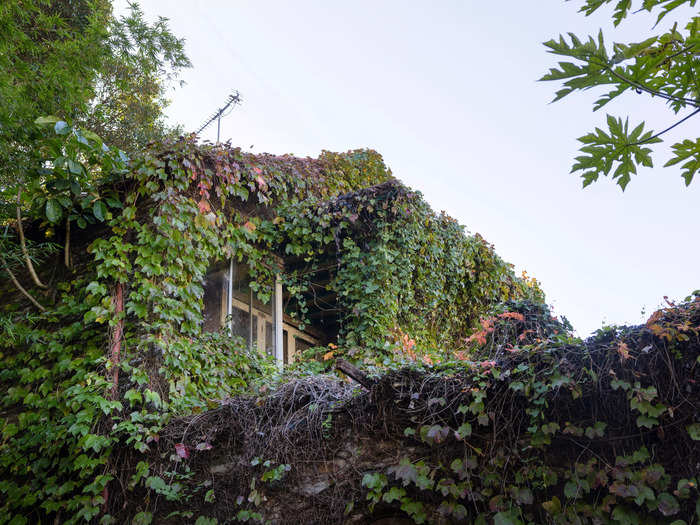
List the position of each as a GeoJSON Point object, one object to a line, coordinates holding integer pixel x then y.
{"type": "Point", "coordinates": [506, 518]}
{"type": "Point", "coordinates": [156, 483]}
{"type": "Point", "coordinates": [465, 430]}
{"type": "Point", "coordinates": [393, 494]}
{"type": "Point", "coordinates": [668, 505]}
{"type": "Point", "coordinates": [405, 471]}
{"type": "Point", "coordinates": [524, 496]}
{"type": "Point", "coordinates": [552, 506]}
{"type": "Point", "coordinates": [694, 431]}
{"type": "Point", "coordinates": [438, 434]}
{"type": "Point", "coordinates": [142, 518]}
{"type": "Point", "coordinates": [571, 490]}
{"type": "Point", "coordinates": [648, 422]}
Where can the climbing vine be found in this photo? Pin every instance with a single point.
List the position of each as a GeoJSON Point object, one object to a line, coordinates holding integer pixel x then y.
{"type": "Point", "coordinates": [117, 349]}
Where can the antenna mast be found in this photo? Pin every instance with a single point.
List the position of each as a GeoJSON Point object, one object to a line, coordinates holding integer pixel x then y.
{"type": "Point", "coordinates": [233, 99]}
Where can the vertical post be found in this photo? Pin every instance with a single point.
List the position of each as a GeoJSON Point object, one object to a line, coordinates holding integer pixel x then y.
{"type": "Point", "coordinates": [250, 320]}
{"type": "Point", "coordinates": [116, 343]}
{"type": "Point", "coordinates": [229, 296]}
{"type": "Point", "coordinates": [218, 128]}
{"type": "Point", "coordinates": [278, 317]}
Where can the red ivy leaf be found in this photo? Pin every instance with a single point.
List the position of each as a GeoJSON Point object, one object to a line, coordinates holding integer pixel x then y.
{"type": "Point", "coordinates": [182, 451]}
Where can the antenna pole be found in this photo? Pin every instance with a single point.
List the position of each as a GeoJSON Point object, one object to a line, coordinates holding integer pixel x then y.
{"type": "Point", "coordinates": [232, 99]}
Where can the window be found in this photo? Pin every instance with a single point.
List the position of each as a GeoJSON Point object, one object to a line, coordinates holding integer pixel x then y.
{"type": "Point", "coordinates": [230, 302]}
{"type": "Point", "coordinates": [215, 299]}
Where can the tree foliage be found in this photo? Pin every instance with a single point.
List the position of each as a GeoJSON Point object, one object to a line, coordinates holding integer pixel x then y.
{"type": "Point", "coordinates": [76, 60]}
{"type": "Point", "coordinates": [143, 59]}
{"type": "Point", "coordinates": [665, 67]}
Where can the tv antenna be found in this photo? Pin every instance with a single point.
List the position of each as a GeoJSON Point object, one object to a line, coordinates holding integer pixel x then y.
{"type": "Point", "coordinates": [233, 99]}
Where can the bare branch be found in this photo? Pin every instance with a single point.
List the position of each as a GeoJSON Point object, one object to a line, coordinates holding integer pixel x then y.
{"type": "Point", "coordinates": [66, 247]}
{"type": "Point", "coordinates": [19, 286]}
{"type": "Point", "coordinates": [681, 121]}
{"type": "Point", "coordinates": [355, 373]}
{"type": "Point", "coordinates": [23, 244]}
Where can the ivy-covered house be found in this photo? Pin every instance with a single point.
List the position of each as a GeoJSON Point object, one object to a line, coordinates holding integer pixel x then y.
{"type": "Point", "coordinates": [166, 279]}
{"type": "Point", "coordinates": [140, 301]}
{"type": "Point", "coordinates": [337, 251]}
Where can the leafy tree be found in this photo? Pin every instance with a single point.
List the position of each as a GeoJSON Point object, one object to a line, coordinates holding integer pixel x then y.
{"type": "Point", "coordinates": [127, 110]}
{"type": "Point", "coordinates": [76, 60]}
{"type": "Point", "coordinates": [665, 67]}
{"type": "Point", "coordinates": [49, 54]}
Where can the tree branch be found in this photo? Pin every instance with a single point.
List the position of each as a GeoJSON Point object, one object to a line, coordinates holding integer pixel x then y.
{"type": "Point", "coordinates": [23, 244]}
{"type": "Point", "coordinates": [642, 87]}
{"type": "Point", "coordinates": [681, 121]}
{"type": "Point", "coordinates": [355, 373]}
{"type": "Point", "coordinates": [19, 286]}
{"type": "Point", "coordinates": [66, 247]}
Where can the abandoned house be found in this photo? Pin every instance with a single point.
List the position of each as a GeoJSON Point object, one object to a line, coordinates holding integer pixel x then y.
{"type": "Point", "coordinates": [365, 225]}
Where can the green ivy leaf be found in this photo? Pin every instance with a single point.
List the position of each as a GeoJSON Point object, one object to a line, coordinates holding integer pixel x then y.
{"type": "Point", "coordinates": [464, 430]}
{"type": "Point", "coordinates": [142, 518]}
{"type": "Point", "coordinates": [507, 518]}
{"type": "Point", "coordinates": [667, 504]}
{"type": "Point", "coordinates": [694, 431]}
{"type": "Point", "coordinates": [393, 494]}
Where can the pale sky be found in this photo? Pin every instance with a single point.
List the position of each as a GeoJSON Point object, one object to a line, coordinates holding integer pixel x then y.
{"type": "Point", "coordinates": [446, 91]}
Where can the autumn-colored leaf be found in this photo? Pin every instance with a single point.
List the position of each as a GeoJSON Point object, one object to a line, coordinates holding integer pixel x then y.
{"type": "Point", "coordinates": [623, 351]}
{"type": "Point", "coordinates": [204, 206]}
{"type": "Point", "coordinates": [328, 355]}
{"type": "Point", "coordinates": [182, 450]}
{"type": "Point", "coordinates": [512, 315]}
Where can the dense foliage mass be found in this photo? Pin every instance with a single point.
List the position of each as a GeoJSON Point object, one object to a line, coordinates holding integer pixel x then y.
{"type": "Point", "coordinates": [532, 426]}
{"type": "Point", "coordinates": [112, 347]}
{"type": "Point", "coordinates": [79, 61]}
{"type": "Point", "coordinates": [663, 66]}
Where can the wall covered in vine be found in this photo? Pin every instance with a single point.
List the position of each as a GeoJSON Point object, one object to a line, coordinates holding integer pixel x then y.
{"type": "Point", "coordinates": [530, 426]}
{"type": "Point", "coordinates": [102, 344]}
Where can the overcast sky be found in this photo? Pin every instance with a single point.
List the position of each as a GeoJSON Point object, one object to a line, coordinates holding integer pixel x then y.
{"type": "Point", "coordinates": [447, 93]}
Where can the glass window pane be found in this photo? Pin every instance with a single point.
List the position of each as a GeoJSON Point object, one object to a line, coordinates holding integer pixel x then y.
{"type": "Point", "coordinates": [269, 339]}
{"type": "Point", "coordinates": [285, 347]}
{"type": "Point", "coordinates": [240, 324]}
{"type": "Point", "coordinates": [215, 300]}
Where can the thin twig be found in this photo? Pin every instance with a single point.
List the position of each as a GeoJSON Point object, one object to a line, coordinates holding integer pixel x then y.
{"type": "Point", "coordinates": [666, 130]}
{"type": "Point", "coordinates": [642, 87]}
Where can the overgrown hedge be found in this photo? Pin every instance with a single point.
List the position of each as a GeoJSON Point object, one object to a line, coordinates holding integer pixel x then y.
{"type": "Point", "coordinates": [542, 428]}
